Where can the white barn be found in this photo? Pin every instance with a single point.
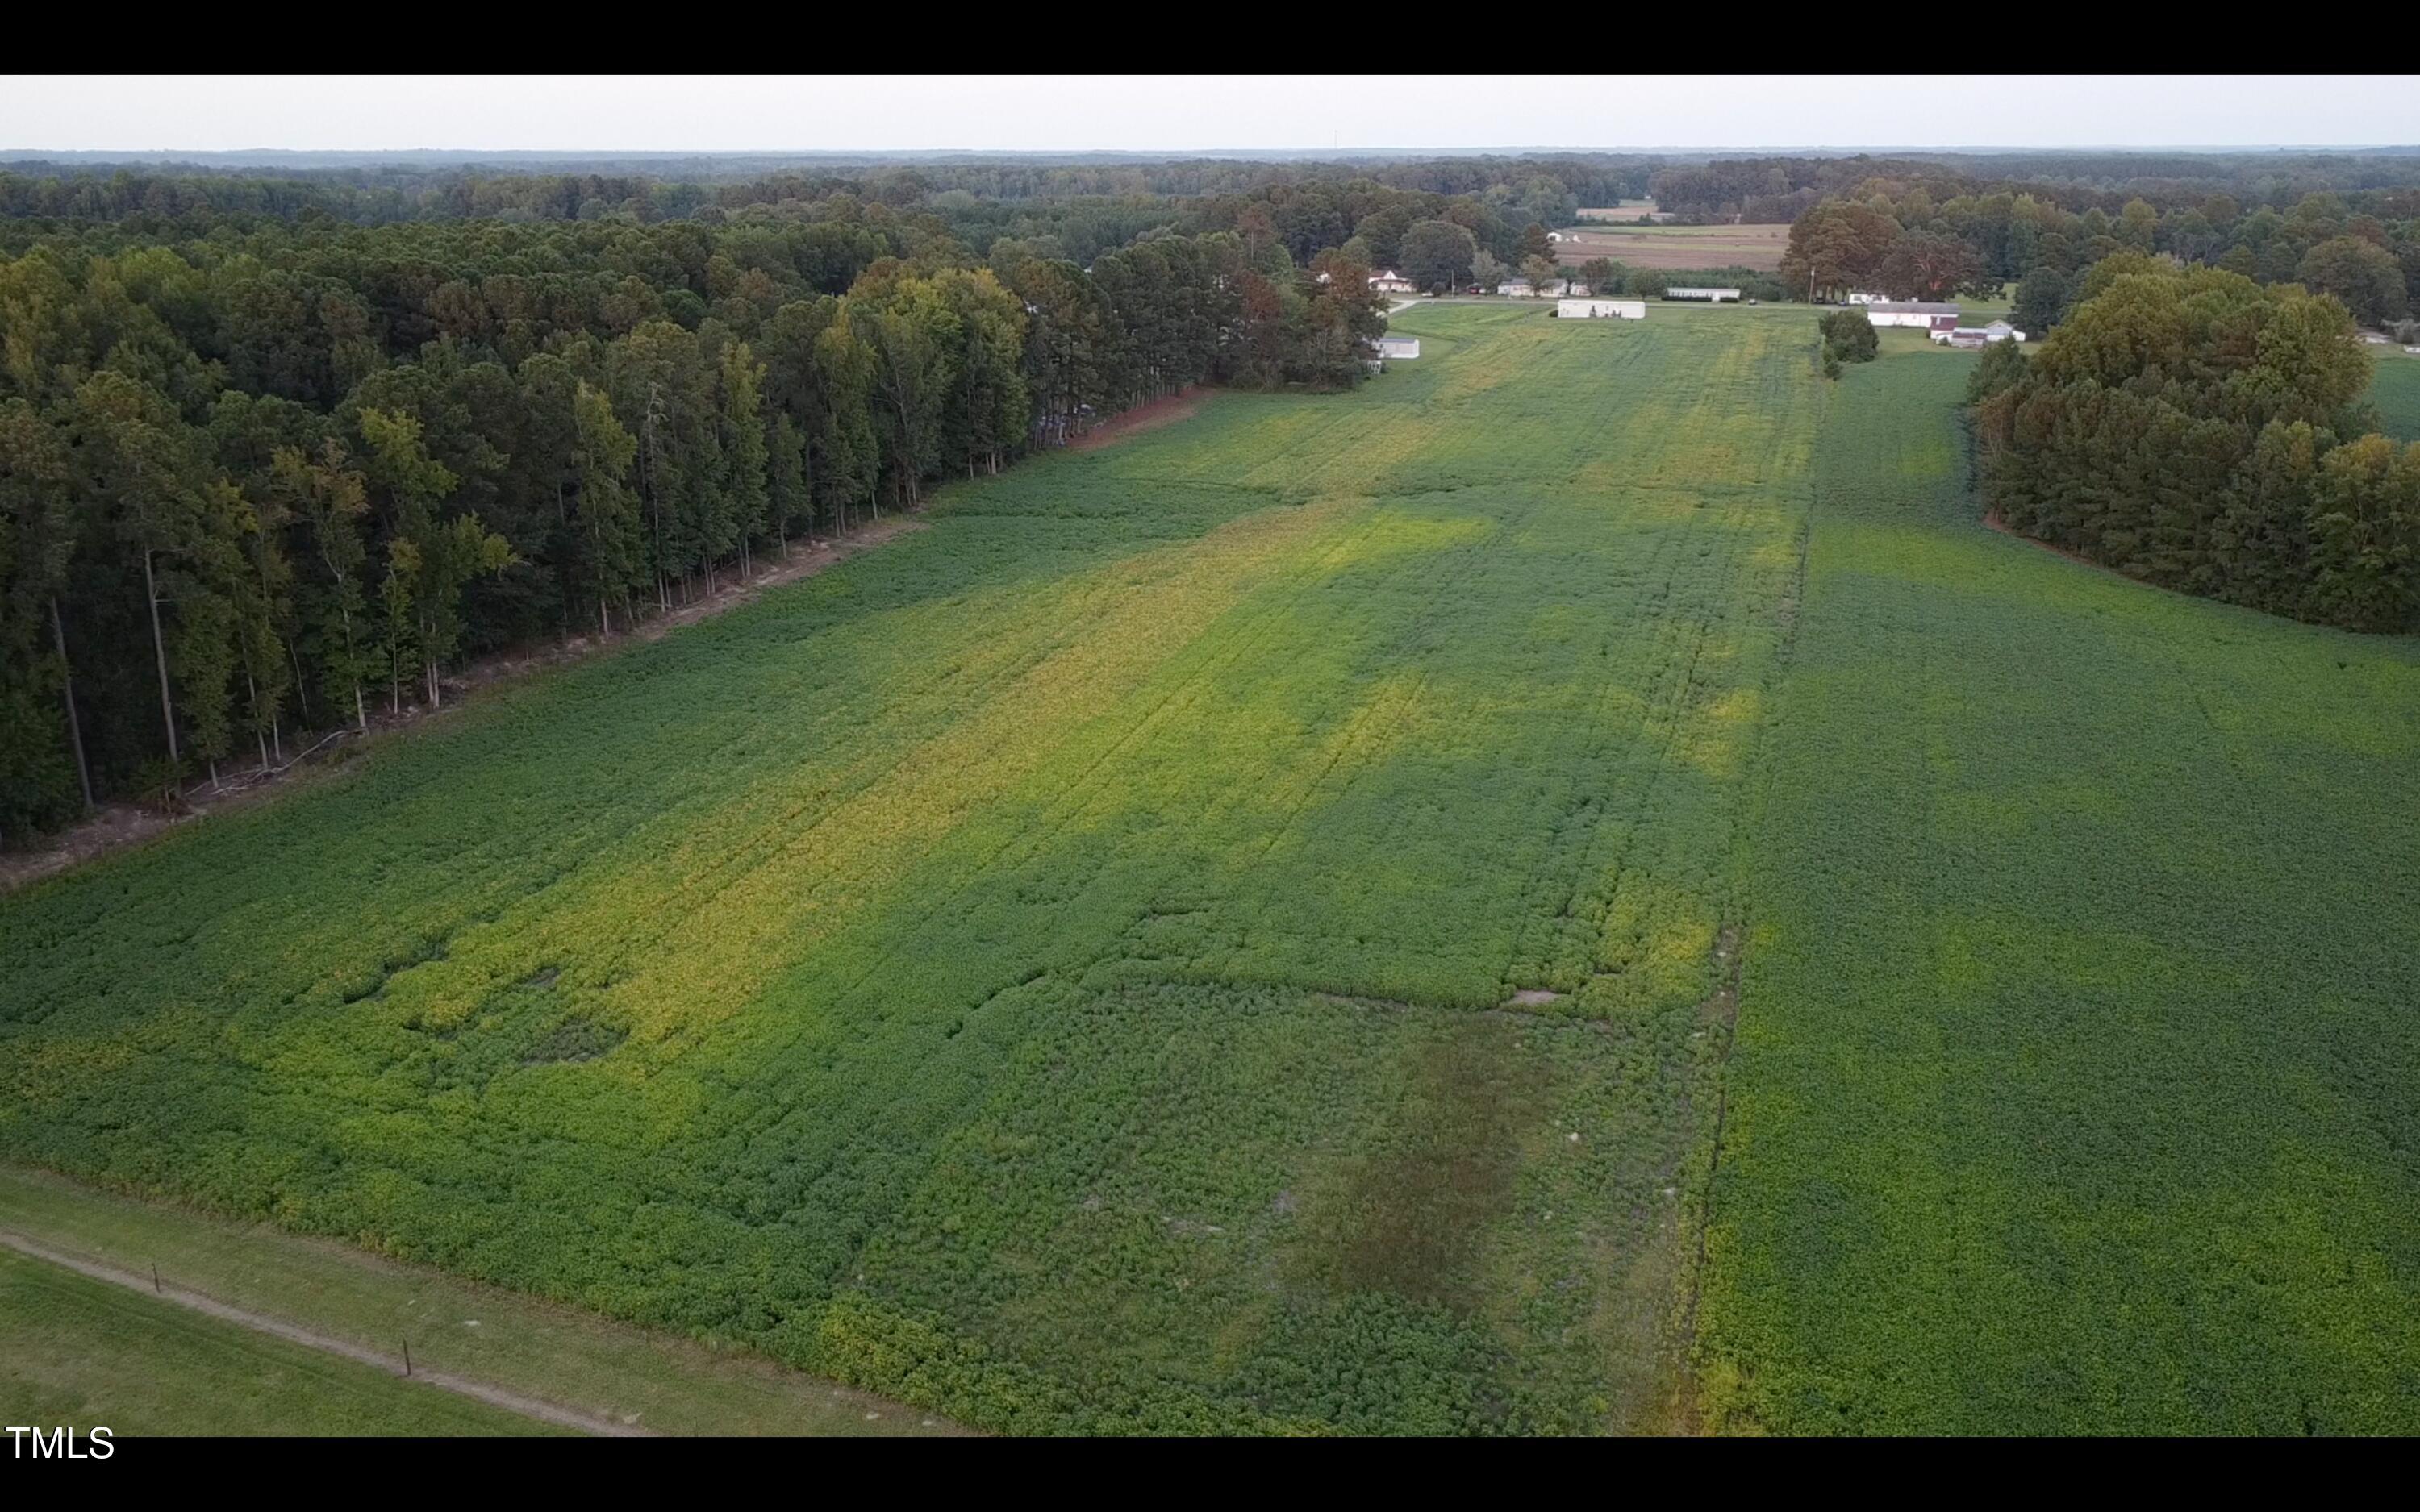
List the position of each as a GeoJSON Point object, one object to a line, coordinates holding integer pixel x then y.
{"type": "Point", "coordinates": [1403, 346]}
{"type": "Point", "coordinates": [1601, 309]}
{"type": "Point", "coordinates": [1899, 313]}
{"type": "Point", "coordinates": [1712, 295]}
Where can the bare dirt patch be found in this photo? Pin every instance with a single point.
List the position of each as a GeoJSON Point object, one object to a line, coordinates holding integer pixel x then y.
{"type": "Point", "coordinates": [118, 826]}
{"type": "Point", "coordinates": [1142, 417]}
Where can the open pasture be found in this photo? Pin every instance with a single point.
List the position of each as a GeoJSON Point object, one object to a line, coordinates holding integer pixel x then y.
{"type": "Point", "coordinates": [1060, 969]}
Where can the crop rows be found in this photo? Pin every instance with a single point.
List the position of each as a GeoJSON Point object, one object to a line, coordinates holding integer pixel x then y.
{"type": "Point", "coordinates": [2074, 1088]}
{"type": "Point", "coordinates": [1046, 969]}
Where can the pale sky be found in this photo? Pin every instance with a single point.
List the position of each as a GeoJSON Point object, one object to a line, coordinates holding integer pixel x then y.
{"type": "Point", "coordinates": [1193, 112]}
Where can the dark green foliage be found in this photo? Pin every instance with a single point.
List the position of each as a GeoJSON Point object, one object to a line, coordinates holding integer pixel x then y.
{"type": "Point", "coordinates": [2193, 429]}
{"type": "Point", "coordinates": [1848, 336]}
{"type": "Point", "coordinates": [2001, 366]}
{"type": "Point", "coordinates": [251, 494]}
{"type": "Point", "coordinates": [2041, 302]}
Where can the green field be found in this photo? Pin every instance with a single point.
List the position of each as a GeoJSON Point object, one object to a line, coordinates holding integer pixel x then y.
{"type": "Point", "coordinates": [558, 1355]}
{"type": "Point", "coordinates": [1234, 932]}
{"type": "Point", "coordinates": [2396, 391]}
{"type": "Point", "coordinates": [1045, 969]}
{"type": "Point", "coordinates": [78, 1352]}
{"type": "Point", "coordinates": [2074, 1088]}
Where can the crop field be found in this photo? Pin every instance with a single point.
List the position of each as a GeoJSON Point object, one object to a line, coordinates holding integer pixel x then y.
{"type": "Point", "coordinates": [1679, 246]}
{"type": "Point", "coordinates": [2075, 1085]}
{"type": "Point", "coordinates": [1220, 933]}
{"type": "Point", "coordinates": [1240, 931]}
{"type": "Point", "coordinates": [2396, 391]}
{"type": "Point", "coordinates": [80, 1351]}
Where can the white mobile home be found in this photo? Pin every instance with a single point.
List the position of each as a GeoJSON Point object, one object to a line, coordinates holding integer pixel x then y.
{"type": "Point", "coordinates": [1520, 288]}
{"type": "Point", "coordinates": [1601, 309]}
{"type": "Point", "coordinates": [1922, 316]}
{"type": "Point", "coordinates": [1403, 346]}
{"type": "Point", "coordinates": [1711, 295]}
{"type": "Point", "coordinates": [1978, 335]}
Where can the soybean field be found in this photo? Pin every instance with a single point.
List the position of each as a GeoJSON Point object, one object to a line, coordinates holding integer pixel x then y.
{"type": "Point", "coordinates": [1228, 931]}
{"type": "Point", "coordinates": [1577, 887]}
{"type": "Point", "coordinates": [2074, 1086]}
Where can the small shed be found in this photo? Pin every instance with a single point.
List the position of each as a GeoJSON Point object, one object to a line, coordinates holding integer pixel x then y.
{"type": "Point", "coordinates": [1601, 309]}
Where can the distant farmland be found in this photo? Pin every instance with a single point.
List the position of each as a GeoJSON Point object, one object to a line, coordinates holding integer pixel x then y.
{"type": "Point", "coordinates": [1629, 209]}
{"type": "Point", "coordinates": [1679, 246]}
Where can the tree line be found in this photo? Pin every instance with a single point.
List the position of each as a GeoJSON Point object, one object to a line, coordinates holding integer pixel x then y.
{"type": "Point", "coordinates": [2194, 430]}
{"type": "Point", "coordinates": [257, 484]}
{"type": "Point", "coordinates": [1776, 191]}
{"type": "Point", "coordinates": [2362, 246]}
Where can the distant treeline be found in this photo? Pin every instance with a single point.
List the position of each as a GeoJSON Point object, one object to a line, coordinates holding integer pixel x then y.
{"type": "Point", "coordinates": [2362, 246]}
{"type": "Point", "coordinates": [1772, 191]}
{"type": "Point", "coordinates": [260, 479]}
{"type": "Point", "coordinates": [2192, 428]}
{"type": "Point", "coordinates": [977, 199]}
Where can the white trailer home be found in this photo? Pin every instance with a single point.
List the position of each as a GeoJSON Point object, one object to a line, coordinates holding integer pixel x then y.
{"type": "Point", "coordinates": [1922, 316]}
{"type": "Point", "coordinates": [1710, 296]}
{"type": "Point", "coordinates": [1402, 347]}
{"type": "Point", "coordinates": [1601, 309]}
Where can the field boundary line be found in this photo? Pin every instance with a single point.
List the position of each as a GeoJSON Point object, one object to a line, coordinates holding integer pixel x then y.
{"type": "Point", "coordinates": [529, 1407]}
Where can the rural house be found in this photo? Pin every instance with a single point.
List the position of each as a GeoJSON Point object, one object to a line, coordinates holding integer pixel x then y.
{"type": "Point", "coordinates": [1602, 309]}
{"type": "Point", "coordinates": [1521, 288]}
{"type": "Point", "coordinates": [1920, 315]}
{"type": "Point", "coordinates": [1978, 335]}
{"type": "Point", "coordinates": [1388, 281]}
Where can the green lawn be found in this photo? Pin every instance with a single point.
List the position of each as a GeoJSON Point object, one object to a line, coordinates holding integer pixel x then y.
{"type": "Point", "coordinates": [2073, 1089]}
{"type": "Point", "coordinates": [80, 1353]}
{"type": "Point", "coordinates": [554, 1353]}
{"type": "Point", "coordinates": [1044, 969]}
{"type": "Point", "coordinates": [2396, 391]}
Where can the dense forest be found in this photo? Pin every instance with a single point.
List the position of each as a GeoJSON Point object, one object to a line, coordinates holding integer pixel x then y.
{"type": "Point", "coordinates": [2194, 430]}
{"type": "Point", "coordinates": [1773, 189]}
{"type": "Point", "coordinates": [265, 477]}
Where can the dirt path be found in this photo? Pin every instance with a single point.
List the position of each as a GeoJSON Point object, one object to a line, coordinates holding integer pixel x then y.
{"type": "Point", "coordinates": [493, 1395]}
{"type": "Point", "coordinates": [118, 826]}
{"type": "Point", "coordinates": [1142, 417]}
